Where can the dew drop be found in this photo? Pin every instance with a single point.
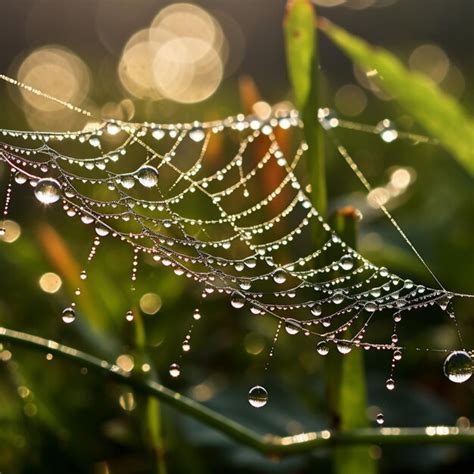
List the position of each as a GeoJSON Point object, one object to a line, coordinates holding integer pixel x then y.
{"type": "Point", "coordinates": [371, 307]}
{"type": "Point", "coordinates": [279, 276]}
{"type": "Point", "coordinates": [458, 366]}
{"type": "Point", "coordinates": [127, 182]}
{"type": "Point", "coordinates": [175, 370]}
{"type": "Point", "coordinates": [94, 141]}
{"type": "Point", "coordinates": [197, 134]}
{"type": "Point", "coordinates": [197, 314]}
{"type": "Point", "coordinates": [113, 128]}
{"type": "Point", "coordinates": [387, 131]}
{"type": "Point", "coordinates": [292, 326]}
{"type": "Point", "coordinates": [158, 134]}
{"type": "Point", "coordinates": [344, 347]}
{"type": "Point", "coordinates": [48, 191]}
{"type": "Point", "coordinates": [338, 298]}
{"type": "Point", "coordinates": [390, 384]}
{"type": "Point", "coordinates": [380, 419]}
{"type": "Point", "coordinates": [258, 396]}
{"type": "Point", "coordinates": [328, 118]}
{"type": "Point", "coordinates": [68, 315]}
{"type": "Point", "coordinates": [347, 262]}
{"type": "Point", "coordinates": [237, 300]}
{"type": "Point", "coordinates": [322, 348]}
{"type": "Point", "coordinates": [443, 303]}
{"type": "Point", "coordinates": [20, 178]}
{"type": "Point", "coordinates": [316, 310]}
{"type": "Point", "coordinates": [147, 176]}
{"type": "Point", "coordinates": [101, 231]}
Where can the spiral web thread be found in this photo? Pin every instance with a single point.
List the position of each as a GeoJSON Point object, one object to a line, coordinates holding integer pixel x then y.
{"type": "Point", "coordinates": [240, 225]}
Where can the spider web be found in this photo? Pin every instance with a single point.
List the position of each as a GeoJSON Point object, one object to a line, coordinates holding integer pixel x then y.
{"type": "Point", "coordinates": [239, 224]}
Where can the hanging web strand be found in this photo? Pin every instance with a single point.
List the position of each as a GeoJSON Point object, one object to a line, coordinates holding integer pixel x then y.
{"type": "Point", "coordinates": [238, 224]}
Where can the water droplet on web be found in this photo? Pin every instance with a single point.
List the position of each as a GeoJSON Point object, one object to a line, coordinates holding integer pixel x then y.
{"type": "Point", "coordinates": [20, 178]}
{"type": "Point", "coordinates": [129, 315]}
{"type": "Point", "coordinates": [48, 191]}
{"type": "Point", "coordinates": [258, 396]}
{"type": "Point", "coordinates": [328, 118]}
{"type": "Point", "coordinates": [113, 128]}
{"type": "Point", "coordinates": [101, 230]}
{"type": "Point", "coordinates": [316, 310]}
{"type": "Point", "coordinates": [197, 134]}
{"type": "Point", "coordinates": [458, 366]}
{"type": "Point", "coordinates": [175, 370]}
{"type": "Point", "coordinates": [94, 141]}
{"type": "Point", "coordinates": [443, 303]}
{"type": "Point", "coordinates": [197, 314]}
{"type": "Point", "coordinates": [292, 326]}
{"type": "Point", "coordinates": [390, 384]}
{"type": "Point", "coordinates": [347, 262]}
{"type": "Point", "coordinates": [380, 419]}
{"type": "Point", "coordinates": [338, 297]}
{"type": "Point", "coordinates": [128, 182]}
{"type": "Point", "coordinates": [387, 131]}
{"type": "Point", "coordinates": [279, 276]}
{"type": "Point", "coordinates": [344, 347]}
{"type": "Point", "coordinates": [158, 134]}
{"type": "Point", "coordinates": [147, 176]}
{"type": "Point", "coordinates": [69, 315]}
{"type": "Point", "coordinates": [237, 300]}
{"type": "Point", "coordinates": [322, 348]}
{"type": "Point", "coordinates": [83, 275]}
{"type": "Point", "coordinates": [370, 307]}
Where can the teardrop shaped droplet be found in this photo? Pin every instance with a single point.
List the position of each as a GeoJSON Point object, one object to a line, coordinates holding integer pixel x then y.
{"type": "Point", "coordinates": [292, 326]}
{"type": "Point", "coordinates": [380, 419]}
{"type": "Point", "coordinates": [316, 310]}
{"type": "Point", "coordinates": [279, 276]}
{"type": "Point", "coordinates": [197, 134]}
{"type": "Point", "coordinates": [147, 176]}
{"type": "Point", "coordinates": [458, 366]}
{"type": "Point", "coordinates": [175, 370]}
{"type": "Point", "coordinates": [258, 396]}
{"type": "Point", "coordinates": [322, 348]}
{"type": "Point", "coordinates": [68, 315]}
{"type": "Point", "coordinates": [347, 262]}
{"type": "Point", "coordinates": [128, 182]}
{"type": "Point", "coordinates": [387, 131]}
{"type": "Point", "coordinates": [390, 384]}
{"type": "Point", "coordinates": [48, 191]}
{"type": "Point", "coordinates": [158, 134]}
{"type": "Point", "coordinates": [237, 300]}
{"type": "Point", "coordinates": [344, 347]}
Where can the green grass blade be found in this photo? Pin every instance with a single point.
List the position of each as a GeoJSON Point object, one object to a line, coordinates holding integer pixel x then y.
{"type": "Point", "coordinates": [346, 382]}
{"type": "Point", "coordinates": [303, 69]}
{"type": "Point", "coordinates": [439, 113]}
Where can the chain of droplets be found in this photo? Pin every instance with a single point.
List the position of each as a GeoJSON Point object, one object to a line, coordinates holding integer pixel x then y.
{"type": "Point", "coordinates": [338, 305]}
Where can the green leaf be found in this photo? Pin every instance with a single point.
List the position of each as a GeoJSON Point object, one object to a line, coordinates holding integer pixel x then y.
{"type": "Point", "coordinates": [436, 111]}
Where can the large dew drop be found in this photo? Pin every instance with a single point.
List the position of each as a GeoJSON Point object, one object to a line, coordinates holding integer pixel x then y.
{"type": "Point", "coordinates": [175, 370]}
{"type": "Point", "coordinates": [48, 191]}
{"type": "Point", "coordinates": [237, 300]}
{"type": "Point", "coordinates": [292, 326]}
{"type": "Point", "coordinates": [69, 315]}
{"type": "Point", "coordinates": [458, 366]}
{"type": "Point", "coordinates": [258, 396]}
{"type": "Point", "coordinates": [147, 176]}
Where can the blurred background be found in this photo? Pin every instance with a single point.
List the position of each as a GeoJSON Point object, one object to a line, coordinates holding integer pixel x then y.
{"type": "Point", "coordinates": [169, 62]}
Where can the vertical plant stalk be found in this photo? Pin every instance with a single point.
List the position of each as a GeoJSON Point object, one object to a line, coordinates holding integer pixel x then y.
{"type": "Point", "coordinates": [303, 69]}
{"type": "Point", "coordinates": [152, 413]}
{"type": "Point", "coordinates": [345, 379]}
